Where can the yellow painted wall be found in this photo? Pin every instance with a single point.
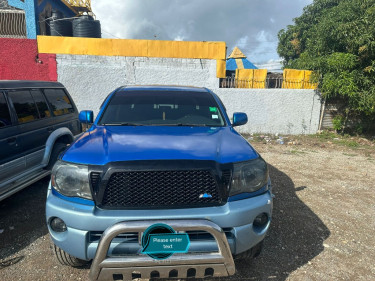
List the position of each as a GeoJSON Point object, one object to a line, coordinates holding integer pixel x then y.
{"type": "Point", "coordinates": [135, 48]}
{"type": "Point", "coordinates": [244, 78]}
{"type": "Point", "coordinates": [251, 78]}
{"type": "Point", "coordinates": [260, 76]}
{"type": "Point", "coordinates": [307, 84]}
{"type": "Point", "coordinates": [293, 78]}
{"type": "Point", "coordinates": [221, 67]}
{"type": "Point", "coordinates": [131, 48]}
{"type": "Point", "coordinates": [297, 79]}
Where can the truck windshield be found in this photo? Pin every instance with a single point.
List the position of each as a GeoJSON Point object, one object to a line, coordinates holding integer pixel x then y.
{"type": "Point", "coordinates": [162, 108]}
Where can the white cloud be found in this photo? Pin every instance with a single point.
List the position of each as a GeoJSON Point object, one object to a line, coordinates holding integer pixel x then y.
{"type": "Point", "coordinates": [249, 24]}
{"type": "Point", "coordinates": [242, 42]}
{"type": "Point", "coordinates": [179, 38]}
{"type": "Point", "coordinates": [271, 65]}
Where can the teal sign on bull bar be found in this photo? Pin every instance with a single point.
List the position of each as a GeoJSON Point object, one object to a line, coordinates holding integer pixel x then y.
{"type": "Point", "coordinates": [160, 241]}
{"type": "Point", "coordinates": [167, 243]}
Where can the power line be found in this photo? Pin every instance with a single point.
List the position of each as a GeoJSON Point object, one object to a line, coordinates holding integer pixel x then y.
{"type": "Point", "coordinates": [274, 41]}
{"type": "Point", "coordinates": [110, 34]}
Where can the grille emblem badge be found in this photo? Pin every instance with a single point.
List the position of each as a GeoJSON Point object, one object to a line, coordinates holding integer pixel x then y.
{"type": "Point", "coordinates": [206, 195]}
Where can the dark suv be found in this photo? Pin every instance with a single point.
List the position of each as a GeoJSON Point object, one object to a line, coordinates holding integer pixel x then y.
{"type": "Point", "coordinates": [37, 121]}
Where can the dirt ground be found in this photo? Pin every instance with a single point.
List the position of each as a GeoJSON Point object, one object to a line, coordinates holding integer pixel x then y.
{"type": "Point", "coordinates": [323, 224]}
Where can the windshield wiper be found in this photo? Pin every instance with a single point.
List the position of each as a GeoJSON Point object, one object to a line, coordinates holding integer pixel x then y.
{"type": "Point", "coordinates": [122, 124]}
{"type": "Point", "coordinates": [171, 125]}
{"type": "Point", "coordinates": [181, 125]}
{"type": "Point", "coordinates": [192, 125]}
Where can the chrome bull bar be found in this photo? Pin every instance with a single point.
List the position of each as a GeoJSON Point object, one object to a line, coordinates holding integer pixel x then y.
{"type": "Point", "coordinates": [178, 265]}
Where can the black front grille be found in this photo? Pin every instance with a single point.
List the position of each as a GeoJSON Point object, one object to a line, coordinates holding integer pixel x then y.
{"type": "Point", "coordinates": [95, 181]}
{"type": "Point", "coordinates": [227, 175]}
{"type": "Point", "coordinates": [156, 189]}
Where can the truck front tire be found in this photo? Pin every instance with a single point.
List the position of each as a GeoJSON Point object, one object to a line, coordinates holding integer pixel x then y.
{"type": "Point", "coordinates": [65, 259]}
{"type": "Point", "coordinates": [251, 253]}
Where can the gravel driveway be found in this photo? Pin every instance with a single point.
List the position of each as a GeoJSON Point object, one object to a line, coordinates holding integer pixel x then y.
{"type": "Point", "coordinates": [323, 224]}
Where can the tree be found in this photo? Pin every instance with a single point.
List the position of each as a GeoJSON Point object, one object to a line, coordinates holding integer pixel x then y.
{"type": "Point", "coordinates": [336, 39]}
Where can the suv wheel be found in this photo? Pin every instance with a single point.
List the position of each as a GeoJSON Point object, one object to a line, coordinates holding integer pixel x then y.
{"type": "Point", "coordinates": [56, 150]}
{"type": "Point", "coordinates": [65, 259]}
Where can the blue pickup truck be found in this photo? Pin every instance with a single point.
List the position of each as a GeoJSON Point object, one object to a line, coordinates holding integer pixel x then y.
{"type": "Point", "coordinates": [162, 156]}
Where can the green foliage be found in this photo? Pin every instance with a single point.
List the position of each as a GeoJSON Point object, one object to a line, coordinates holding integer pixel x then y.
{"type": "Point", "coordinates": [327, 135]}
{"type": "Point", "coordinates": [359, 129]}
{"type": "Point", "coordinates": [338, 123]}
{"type": "Point", "coordinates": [336, 39]}
{"type": "Point", "coordinates": [352, 144]}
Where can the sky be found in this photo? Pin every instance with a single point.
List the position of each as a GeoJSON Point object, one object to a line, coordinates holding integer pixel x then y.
{"type": "Point", "coordinates": [252, 25]}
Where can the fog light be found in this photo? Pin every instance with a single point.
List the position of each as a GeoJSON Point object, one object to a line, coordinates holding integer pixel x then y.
{"type": "Point", "coordinates": [58, 225]}
{"type": "Point", "coordinates": [261, 220]}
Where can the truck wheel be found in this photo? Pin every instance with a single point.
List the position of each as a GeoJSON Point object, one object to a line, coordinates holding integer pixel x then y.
{"type": "Point", "coordinates": [65, 259]}
{"type": "Point", "coordinates": [56, 150]}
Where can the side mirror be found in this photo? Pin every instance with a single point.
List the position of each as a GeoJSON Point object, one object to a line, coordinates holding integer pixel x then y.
{"type": "Point", "coordinates": [239, 118]}
{"type": "Point", "coordinates": [86, 117]}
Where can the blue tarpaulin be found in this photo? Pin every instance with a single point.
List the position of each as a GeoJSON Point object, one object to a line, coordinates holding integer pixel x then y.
{"type": "Point", "coordinates": [237, 60]}
{"type": "Point", "coordinates": [232, 64]}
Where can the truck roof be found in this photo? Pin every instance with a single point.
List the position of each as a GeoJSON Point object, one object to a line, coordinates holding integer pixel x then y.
{"type": "Point", "coordinates": [163, 88]}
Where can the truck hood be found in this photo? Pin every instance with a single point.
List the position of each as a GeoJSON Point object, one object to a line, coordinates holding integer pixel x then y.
{"type": "Point", "coordinates": [101, 145]}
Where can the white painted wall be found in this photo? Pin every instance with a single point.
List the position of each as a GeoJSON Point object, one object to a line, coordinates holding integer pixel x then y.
{"type": "Point", "coordinates": [282, 111]}
{"type": "Point", "coordinates": [89, 79]}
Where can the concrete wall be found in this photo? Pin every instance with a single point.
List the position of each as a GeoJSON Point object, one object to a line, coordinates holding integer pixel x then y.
{"type": "Point", "coordinates": [89, 79]}
{"type": "Point", "coordinates": [282, 111]}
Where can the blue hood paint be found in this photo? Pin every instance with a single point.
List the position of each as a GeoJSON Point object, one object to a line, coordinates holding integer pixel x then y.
{"type": "Point", "coordinates": [101, 145]}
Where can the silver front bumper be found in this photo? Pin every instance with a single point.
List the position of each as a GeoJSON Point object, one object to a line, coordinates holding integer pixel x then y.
{"type": "Point", "coordinates": [142, 266]}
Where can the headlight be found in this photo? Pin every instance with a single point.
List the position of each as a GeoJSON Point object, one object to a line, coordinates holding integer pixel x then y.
{"type": "Point", "coordinates": [71, 180]}
{"type": "Point", "coordinates": [249, 176]}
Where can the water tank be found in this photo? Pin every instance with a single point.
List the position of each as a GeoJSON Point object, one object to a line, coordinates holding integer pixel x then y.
{"type": "Point", "coordinates": [86, 26]}
{"type": "Point", "coordinates": [47, 26]}
{"type": "Point", "coordinates": [61, 27]}
{"type": "Point", "coordinates": [56, 14]}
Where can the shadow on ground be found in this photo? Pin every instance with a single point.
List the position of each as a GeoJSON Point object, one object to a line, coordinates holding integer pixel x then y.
{"type": "Point", "coordinates": [296, 235]}
{"type": "Point", "coordinates": [295, 238]}
{"type": "Point", "coordinates": [22, 221]}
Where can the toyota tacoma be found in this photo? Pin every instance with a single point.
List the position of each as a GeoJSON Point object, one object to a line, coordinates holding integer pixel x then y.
{"type": "Point", "coordinates": [160, 164]}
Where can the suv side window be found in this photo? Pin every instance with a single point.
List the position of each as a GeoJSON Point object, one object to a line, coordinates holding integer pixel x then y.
{"type": "Point", "coordinates": [4, 112]}
{"type": "Point", "coordinates": [24, 105]}
{"type": "Point", "coordinates": [59, 101]}
{"type": "Point", "coordinates": [41, 103]}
